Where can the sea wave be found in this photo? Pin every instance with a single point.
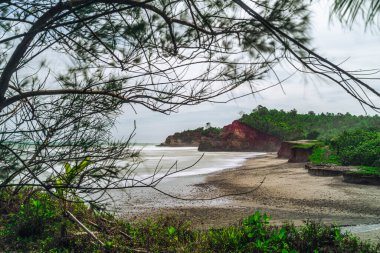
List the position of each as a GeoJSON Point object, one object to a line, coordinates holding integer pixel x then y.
{"type": "Point", "coordinates": [179, 158]}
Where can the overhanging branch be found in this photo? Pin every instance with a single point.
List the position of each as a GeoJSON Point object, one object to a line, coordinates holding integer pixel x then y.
{"type": "Point", "coordinates": [35, 93]}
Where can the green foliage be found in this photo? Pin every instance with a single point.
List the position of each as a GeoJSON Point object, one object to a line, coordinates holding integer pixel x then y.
{"type": "Point", "coordinates": [367, 153]}
{"type": "Point", "coordinates": [366, 170]}
{"type": "Point", "coordinates": [261, 237]}
{"type": "Point", "coordinates": [324, 155]}
{"type": "Point", "coordinates": [228, 239]}
{"type": "Point", "coordinates": [32, 217]}
{"type": "Point", "coordinates": [166, 234]}
{"type": "Point", "coordinates": [351, 139]}
{"type": "Point", "coordinates": [72, 172]}
{"type": "Point", "coordinates": [211, 131]}
{"type": "Point", "coordinates": [312, 135]}
{"type": "Point", "coordinates": [172, 230]}
{"type": "Point", "coordinates": [292, 126]}
{"type": "Point", "coordinates": [109, 245]}
{"type": "Point", "coordinates": [307, 145]}
{"type": "Point", "coordinates": [33, 224]}
{"type": "Point", "coordinates": [254, 225]}
{"type": "Point", "coordinates": [71, 175]}
{"type": "Point", "coordinates": [358, 148]}
{"type": "Point", "coordinates": [316, 237]}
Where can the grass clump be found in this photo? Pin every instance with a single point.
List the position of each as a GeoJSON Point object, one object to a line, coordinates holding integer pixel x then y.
{"type": "Point", "coordinates": [305, 145]}
{"type": "Point", "coordinates": [366, 170]}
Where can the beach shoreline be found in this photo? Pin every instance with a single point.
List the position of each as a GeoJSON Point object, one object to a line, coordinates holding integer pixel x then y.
{"type": "Point", "coordinates": [288, 194]}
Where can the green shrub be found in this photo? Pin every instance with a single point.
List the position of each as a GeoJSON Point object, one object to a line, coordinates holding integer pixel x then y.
{"type": "Point", "coordinates": [261, 237]}
{"type": "Point", "coordinates": [312, 135]}
{"type": "Point", "coordinates": [350, 148]}
{"type": "Point", "coordinates": [32, 218]}
{"type": "Point", "coordinates": [317, 237]}
{"type": "Point", "coordinates": [366, 153]}
{"type": "Point", "coordinates": [165, 234]}
{"type": "Point", "coordinates": [324, 155]}
{"type": "Point", "coordinates": [348, 140]}
{"type": "Point", "coordinates": [230, 239]}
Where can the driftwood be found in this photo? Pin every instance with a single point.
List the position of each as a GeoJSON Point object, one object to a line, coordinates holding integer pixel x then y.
{"type": "Point", "coordinates": [73, 218]}
{"type": "Point", "coordinates": [92, 234]}
{"type": "Point", "coordinates": [95, 225]}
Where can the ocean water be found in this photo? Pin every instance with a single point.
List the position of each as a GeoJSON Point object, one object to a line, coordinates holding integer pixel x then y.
{"type": "Point", "coordinates": [187, 161]}
{"type": "Point", "coordinates": [192, 168]}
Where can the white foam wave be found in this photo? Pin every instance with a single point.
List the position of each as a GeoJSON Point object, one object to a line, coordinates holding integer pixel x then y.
{"type": "Point", "coordinates": [178, 158]}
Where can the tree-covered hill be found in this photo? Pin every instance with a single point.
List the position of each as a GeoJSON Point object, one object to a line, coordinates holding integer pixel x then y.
{"type": "Point", "coordinates": [291, 125]}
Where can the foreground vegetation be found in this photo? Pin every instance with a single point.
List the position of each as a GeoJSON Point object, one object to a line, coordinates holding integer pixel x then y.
{"type": "Point", "coordinates": [33, 222]}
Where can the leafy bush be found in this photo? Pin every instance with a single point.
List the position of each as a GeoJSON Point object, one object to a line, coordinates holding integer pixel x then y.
{"type": "Point", "coordinates": [32, 218]}
{"type": "Point", "coordinates": [261, 238]}
{"type": "Point", "coordinates": [324, 155]}
{"type": "Point", "coordinates": [366, 153]}
{"type": "Point", "coordinates": [167, 234]}
{"type": "Point", "coordinates": [317, 237]}
{"type": "Point", "coordinates": [358, 148]}
{"type": "Point", "coordinates": [351, 139]}
{"type": "Point", "coordinates": [312, 135]}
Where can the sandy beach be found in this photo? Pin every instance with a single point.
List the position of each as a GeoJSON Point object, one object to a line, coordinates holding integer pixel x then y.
{"type": "Point", "coordinates": [287, 193]}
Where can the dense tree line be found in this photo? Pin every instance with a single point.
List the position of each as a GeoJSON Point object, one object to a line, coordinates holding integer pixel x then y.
{"type": "Point", "coordinates": [358, 147]}
{"type": "Point", "coordinates": [292, 125]}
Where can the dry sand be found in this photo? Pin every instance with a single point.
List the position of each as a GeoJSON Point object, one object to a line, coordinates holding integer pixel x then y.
{"type": "Point", "coordinates": [288, 193]}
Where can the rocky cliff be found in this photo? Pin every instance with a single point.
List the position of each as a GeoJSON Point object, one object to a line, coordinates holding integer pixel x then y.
{"type": "Point", "coordinates": [285, 150]}
{"type": "Point", "coordinates": [189, 138]}
{"type": "Point", "coordinates": [300, 155]}
{"type": "Point", "coordinates": [240, 137]}
{"type": "Point", "coordinates": [296, 151]}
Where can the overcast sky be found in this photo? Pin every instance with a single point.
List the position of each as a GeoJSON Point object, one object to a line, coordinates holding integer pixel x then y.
{"type": "Point", "coordinates": [359, 48]}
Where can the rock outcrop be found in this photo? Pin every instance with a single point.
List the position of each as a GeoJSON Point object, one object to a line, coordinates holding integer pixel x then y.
{"type": "Point", "coordinates": [240, 137]}
{"type": "Point", "coordinates": [326, 170]}
{"type": "Point", "coordinates": [285, 150]}
{"type": "Point", "coordinates": [356, 178]}
{"type": "Point", "coordinates": [296, 151]}
{"type": "Point", "coordinates": [300, 155]}
{"type": "Point", "coordinates": [189, 138]}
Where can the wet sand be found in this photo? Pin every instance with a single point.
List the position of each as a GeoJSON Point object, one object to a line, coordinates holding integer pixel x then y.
{"type": "Point", "coordinates": [288, 193]}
